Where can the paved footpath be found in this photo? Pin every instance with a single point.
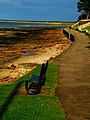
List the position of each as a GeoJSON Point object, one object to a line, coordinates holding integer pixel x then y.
{"type": "Point", "coordinates": [74, 78]}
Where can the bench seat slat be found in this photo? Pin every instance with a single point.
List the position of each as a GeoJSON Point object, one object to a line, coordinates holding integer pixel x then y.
{"type": "Point", "coordinates": [34, 79]}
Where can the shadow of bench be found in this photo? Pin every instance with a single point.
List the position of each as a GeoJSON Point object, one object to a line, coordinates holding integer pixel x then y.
{"type": "Point", "coordinates": [34, 84]}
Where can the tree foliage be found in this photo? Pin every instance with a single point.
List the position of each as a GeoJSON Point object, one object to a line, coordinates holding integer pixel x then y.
{"type": "Point", "coordinates": [84, 7]}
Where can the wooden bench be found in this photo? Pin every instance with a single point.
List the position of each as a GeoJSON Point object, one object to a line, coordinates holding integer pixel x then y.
{"type": "Point", "coordinates": [34, 84]}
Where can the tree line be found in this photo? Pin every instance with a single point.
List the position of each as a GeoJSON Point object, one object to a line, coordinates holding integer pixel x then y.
{"type": "Point", "coordinates": [84, 8]}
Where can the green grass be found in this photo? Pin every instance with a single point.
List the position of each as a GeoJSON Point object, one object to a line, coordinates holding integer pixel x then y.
{"type": "Point", "coordinates": [31, 107]}
{"type": "Point", "coordinates": [76, 26]}
{"type": "Point", "coordinates": [86, 28]}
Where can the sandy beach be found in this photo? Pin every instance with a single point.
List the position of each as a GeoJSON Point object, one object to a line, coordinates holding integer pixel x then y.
{"type": "Point", "coordinates": [46, 45]}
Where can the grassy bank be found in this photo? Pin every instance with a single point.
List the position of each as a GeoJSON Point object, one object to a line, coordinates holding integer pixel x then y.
{"type": "Point", "coordinates": [20, 106]}
{"type": "Point", "coordinates": [86, 28]}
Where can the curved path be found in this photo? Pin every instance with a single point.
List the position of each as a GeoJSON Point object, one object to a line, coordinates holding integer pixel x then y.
{"type": "Point", "coordinates": [74, 78]}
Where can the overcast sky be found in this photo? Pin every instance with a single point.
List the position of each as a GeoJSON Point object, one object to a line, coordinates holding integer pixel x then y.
{"type": "Point", "coordinates": [48, 10]}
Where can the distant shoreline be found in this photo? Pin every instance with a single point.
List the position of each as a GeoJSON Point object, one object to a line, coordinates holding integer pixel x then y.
{"type": "Point", "coordinates": [7, 24]}
{"type": "Point", "coordinates": [26, 24]}
{"type": "Point", "coordinates": [39, 22]}
{"type": "Point", "coordinates": [33, 22]}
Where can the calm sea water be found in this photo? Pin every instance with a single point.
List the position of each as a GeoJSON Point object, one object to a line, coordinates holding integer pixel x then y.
{"type": "Point", "coordinates": [23, 25]}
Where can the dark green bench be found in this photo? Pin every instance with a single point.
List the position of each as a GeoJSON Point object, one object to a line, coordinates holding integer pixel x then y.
{"type": "Point", "coordinates": [34, 84]}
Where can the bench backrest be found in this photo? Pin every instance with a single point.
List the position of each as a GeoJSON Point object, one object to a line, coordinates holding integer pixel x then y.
{"type": "Point", "coordinates": [42, 76]}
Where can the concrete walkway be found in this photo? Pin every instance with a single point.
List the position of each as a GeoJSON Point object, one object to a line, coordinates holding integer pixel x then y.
{"type": "Point", "coordinates": [74, 78]}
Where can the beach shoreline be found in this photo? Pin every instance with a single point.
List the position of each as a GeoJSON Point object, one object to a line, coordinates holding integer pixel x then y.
{"type": "Point", "coordinates": [33, 54]}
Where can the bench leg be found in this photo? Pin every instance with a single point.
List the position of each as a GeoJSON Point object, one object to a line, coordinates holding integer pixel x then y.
{"type": "Point", "coordinates": [32, 88]}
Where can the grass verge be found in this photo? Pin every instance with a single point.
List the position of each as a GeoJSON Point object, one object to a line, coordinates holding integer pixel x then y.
{"type": "Point", "coordinates": [76, 26]}
{"type": "Point", "coordinates": [86, 28]}
{"type": "Point", "coordinates": [16, 106]}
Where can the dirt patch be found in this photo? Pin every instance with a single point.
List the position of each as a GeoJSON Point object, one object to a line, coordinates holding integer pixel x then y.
{"type": "Point", "coordinates": [44, 91]}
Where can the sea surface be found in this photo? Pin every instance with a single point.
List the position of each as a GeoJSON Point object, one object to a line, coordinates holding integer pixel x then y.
{"type": "Point", "coordinates": [28, 25]}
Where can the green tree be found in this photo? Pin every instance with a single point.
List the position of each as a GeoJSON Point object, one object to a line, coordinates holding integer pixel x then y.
{"type": "Point", "coordinates": [84, 7]}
